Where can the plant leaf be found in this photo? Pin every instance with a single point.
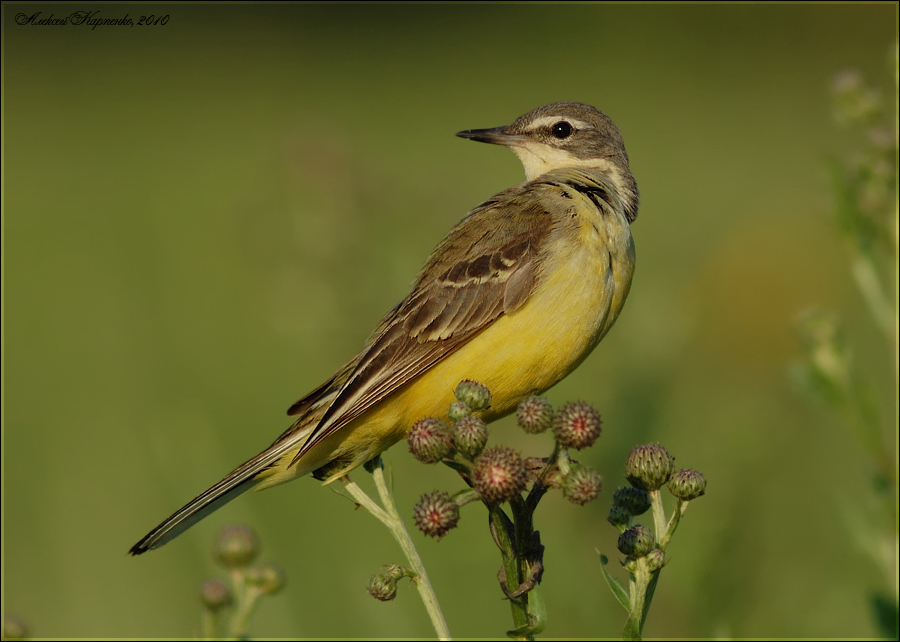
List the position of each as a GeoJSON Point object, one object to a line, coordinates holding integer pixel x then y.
{"type": "Point", "coordinates": [615, 585]}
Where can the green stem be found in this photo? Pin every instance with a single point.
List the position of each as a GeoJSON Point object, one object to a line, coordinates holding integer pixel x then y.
{"type": "Point", "coordinates": [640, 605]}
{"type": "Point", "coordinates": [467, 496]}
{"type": "Point", "coordinates": [659, 514]}
{"type": "Point", "coordinates": [500, 526]}
{"type": "Point", "coordinates": [663, 541]}
{"type": "Point", "coordinates": [866, 276]}
{"type": "Point", "coordinates": [523, 516]}
{"type": "Point", "coordinates": [247, 597]}
{"type": "Point", "coordinates": [426, 591]}
{"type": "Point", "coordinates": [643, 581]}
{"type": "Point", "coordinates": [361, 498]}
{"type": "Point", "coordinates": [389, 516]}
{"type": "Point", "coordinates": [208, 624]}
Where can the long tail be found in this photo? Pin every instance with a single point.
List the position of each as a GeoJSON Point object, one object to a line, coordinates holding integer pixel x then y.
{"type": "Point", "coordinates": [243, 478]}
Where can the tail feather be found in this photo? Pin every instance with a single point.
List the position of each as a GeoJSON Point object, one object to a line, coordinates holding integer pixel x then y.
{"type": "Point", "coordinates": [243, 478]}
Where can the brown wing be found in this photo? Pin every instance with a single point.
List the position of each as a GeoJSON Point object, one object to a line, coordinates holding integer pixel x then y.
{"type": "Point", "coordinates": [484, 268]}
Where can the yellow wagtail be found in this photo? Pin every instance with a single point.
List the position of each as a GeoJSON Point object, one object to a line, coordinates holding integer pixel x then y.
{"type": "Point", "coordinates": [515, 297]}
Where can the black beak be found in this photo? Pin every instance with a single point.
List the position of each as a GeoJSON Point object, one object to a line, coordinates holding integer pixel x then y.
{"type": "Point", "coordinates": [494, 135]}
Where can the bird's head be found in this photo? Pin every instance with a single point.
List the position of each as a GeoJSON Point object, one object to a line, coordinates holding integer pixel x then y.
{"type": "Point", "coordinates": [565, 135]}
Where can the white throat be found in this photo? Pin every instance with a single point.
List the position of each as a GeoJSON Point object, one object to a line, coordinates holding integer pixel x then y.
{"type": "Point", "coordinates": [538, 160]}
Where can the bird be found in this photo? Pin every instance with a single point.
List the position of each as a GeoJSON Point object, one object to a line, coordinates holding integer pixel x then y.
{"type": "Point", "coordinates": [515, 297]}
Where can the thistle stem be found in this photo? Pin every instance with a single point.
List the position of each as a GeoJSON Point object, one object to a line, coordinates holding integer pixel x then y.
{"type": "Point", "coordinates": [246, 597]}
{"type": "Point", "coordinates": [208, 625]}
{"type": "Point", "coordinates": [387, 514]}
{"type": "Point", "coordinates": [500, 525]}
{"type": "Point", "coordinates": [659, 514]}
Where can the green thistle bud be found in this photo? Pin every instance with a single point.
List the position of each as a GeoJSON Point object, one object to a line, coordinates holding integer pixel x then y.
{"type": "Point", "coordinates": [14, 628]}
{"type": "Point", "coordinates": [499, 474]}
{"type": "Point", "coordinates": [576, 425]}
{"type": "Point", "coordinates": [649, 467]}
{"type": "Point", "coordinates": [214, 594]}
{"type": "Point", "coordinates": [395, 571]}
{"type": "Point", "coordinates": [619, 516]}
{"type": "Point", "coordinates": [430, 440]}
{"type": "Point", "coordinates": [458, 410]}
{"type": "Point", "coordinates": [630, 564]}
{"type": "Point", "coordinates": [581, 485]}
{"type": "Point", "coordinates": [535, 415]}
{"type": "Point", "coordinates": [656, 559]}
{"type": "Point", "coordinates": [270, 578]}
{"type": "Point", "coordinates": [633, 500]}
{"type": "Point", "coordinates": [436, 513]}
{"type": "Point", "coordinates": [236, 546]}
{"type": "Point", "coordinates": [687, 484]}
{"type": "Point", "coordinates": [637, 541]}
{"type": "Point", "coordinates": [382, 587]}
{"type": "Point", "coordinates": [474, 395]}
{"type": "Point", "coordinates": [470, 435]}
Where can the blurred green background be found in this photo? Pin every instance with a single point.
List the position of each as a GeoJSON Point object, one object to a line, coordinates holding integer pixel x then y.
{"type": "Point", "coordinates": [204, 219]}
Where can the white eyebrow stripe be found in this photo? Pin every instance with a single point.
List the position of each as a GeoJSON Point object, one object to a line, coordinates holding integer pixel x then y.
{"type": "Point", "coordinates": [546, 121]}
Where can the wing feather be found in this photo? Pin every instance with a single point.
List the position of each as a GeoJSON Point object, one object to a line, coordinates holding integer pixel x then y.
{"type": "Point", "coordinates": [487, 266]}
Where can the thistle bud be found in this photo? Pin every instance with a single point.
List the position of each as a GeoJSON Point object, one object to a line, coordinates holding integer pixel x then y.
{"type": "Point", "coordinates": [430, 440]}
{"type": "Point", "coordinates": [581, 485]}
{"type": "Point", "coordinates": [633, 500]}
{"type": "Point", "coordinates": [576, 425]}
{"type": "Point", "coordinates": [470, 435]}
{"type": "Point", "coordinates": [498, 474]}
{"type": "Point", "coordinates": [214, 594]}
{"type": "Point", "coordinates": [687, 484]}
{"type": "Point", "coordinates": [474, 395]}
{"type": "Point", "coordinates": [436, 513]}
{"type": "Point", "coordinates": [382, 587]}
{"type": "Point", "coordinates": [236, 546]}
{"type": "Point", "coordinates": [535, 415]}
{"type": "Point", "coordinates": [637, 541]}
{"type": "Point", "coordinates": [619, 516]}
{"type": "Point", "coordinates": [649, 467]}
{"type": "Point", "coordinates": [656, 559]}
{"type": "Point", "coordinates": [270, 578]}
{"type": "Point", "coordinates": [395, 571]}
{"type": "Point", "coordinates": [458, 410]}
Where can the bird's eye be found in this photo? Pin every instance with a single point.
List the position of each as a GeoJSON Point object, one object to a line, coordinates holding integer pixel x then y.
{"type": "Point", "coordinates": [561, 130]}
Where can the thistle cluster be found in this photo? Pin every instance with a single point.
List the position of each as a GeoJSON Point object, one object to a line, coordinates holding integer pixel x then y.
{"type": "Point", "coordinates": [648, 469]}
{"type": "Point", "coordinates": [865, 187]}
{"type": "Point", "coordinates": [432, 440]}
{"type": "Point", "coordinates": [460, 442]}
{"type": "Point", "coordinates": [576, 425]}
{"type": "Point", "coordinates": [236, 549]}
{"type": "Point", "coordinates": [499, 474]}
